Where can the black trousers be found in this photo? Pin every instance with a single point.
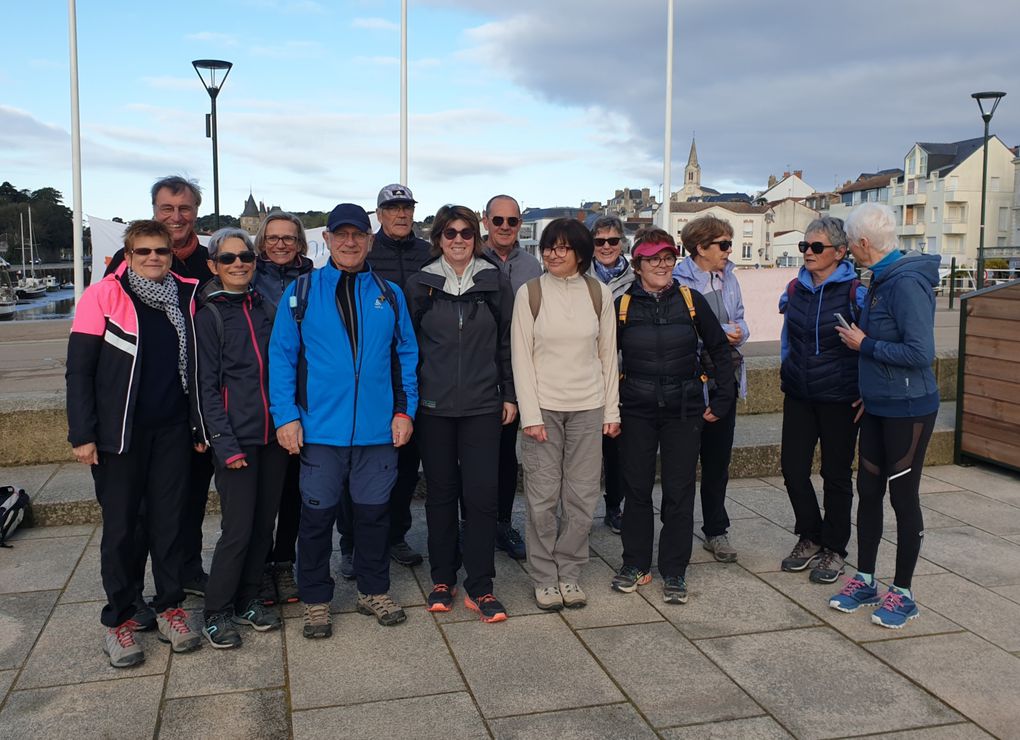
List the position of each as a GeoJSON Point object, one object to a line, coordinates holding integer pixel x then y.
{"type": "Point", "coordinates": [640, 439]}
{"type": "Point", "coordinates": [891, 452]}
{"type": "Point", "coordinates": [201, 472]}
{"type": "Point", "coordinates": [408, 462]}
{"type": "Point", "coordinates": [611, 466]}
{"type": "Point", "coordinates": [507, 470]}
{"type": "Point", "coordinates": [284, 547]}
{"type": "Point", "coordinates": [149, 480]}
{"type": "Point", "coordinates": [461, 454]}
{"type": "Point", "coordinates": [249, 500]}
{"type": "Point", "coordinates": [806, 423]}
{"type": "Point", "coordinates": [716, 451]}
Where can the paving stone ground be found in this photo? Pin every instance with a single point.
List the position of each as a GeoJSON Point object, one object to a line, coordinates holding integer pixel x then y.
{"type": "Point", "coordinates": [756, 653]}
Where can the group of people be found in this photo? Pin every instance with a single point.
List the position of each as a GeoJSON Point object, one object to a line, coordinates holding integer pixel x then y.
{"type": "Point", "coordinates": [315, 395]}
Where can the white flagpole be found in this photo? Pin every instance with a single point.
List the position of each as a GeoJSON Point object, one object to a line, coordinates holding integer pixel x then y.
{"type": "Point", "coordinates": [76, 221]}
{"type": "Point", "coordinates": [403, 92]}
{"type": "Point", "coordinates": [667, 156]}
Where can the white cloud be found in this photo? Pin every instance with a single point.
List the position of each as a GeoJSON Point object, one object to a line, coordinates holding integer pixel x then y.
{"type": "Point", "coordinates": [375, 24]}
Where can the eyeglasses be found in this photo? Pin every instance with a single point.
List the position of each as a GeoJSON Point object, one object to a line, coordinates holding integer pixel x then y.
{"type": "Point", "coordinates": [658, 260]}
{"type": "Point", "coordinates": [816, 247]}
{"type": "Point", "coordinates": [343, 236]}
{"type": "Point", "coordinates": [228, 258]}
{"type": "Point", "coordinates": [724, 245]}
{"type": "Point", "coordinates": [611, 241]}
{"type": "Point", "coordinates": [560, 250]}
{"type": "Point", "coordinates": [511, 221]}
{"type": "Point", "coordinates": [288, 241]}
{"type": "Point", "coordinates": [466, 234]}
{"type": "Point", "coordinates": [146, 251]}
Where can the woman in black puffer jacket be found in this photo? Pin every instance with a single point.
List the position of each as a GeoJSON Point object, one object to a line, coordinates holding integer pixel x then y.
{"type": "Point", "coordinates": [663, 404]}
{"type": "Point", "coordinates": [233, 330]}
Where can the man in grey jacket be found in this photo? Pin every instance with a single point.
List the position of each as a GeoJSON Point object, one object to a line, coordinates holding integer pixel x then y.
{"type": "Point", "coordinates": [502, 221]}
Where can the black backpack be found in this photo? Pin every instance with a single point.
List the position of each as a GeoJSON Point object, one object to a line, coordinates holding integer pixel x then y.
{"type": "Point", "coordinates": [13, 505]}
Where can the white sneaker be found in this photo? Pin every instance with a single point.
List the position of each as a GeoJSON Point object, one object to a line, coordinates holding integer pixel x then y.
{"type": "Point", "coordinates": [548, 598]}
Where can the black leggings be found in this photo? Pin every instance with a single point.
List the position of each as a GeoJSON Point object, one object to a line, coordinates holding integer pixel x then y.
{"type": "Point", "coordinates": [891, 450]}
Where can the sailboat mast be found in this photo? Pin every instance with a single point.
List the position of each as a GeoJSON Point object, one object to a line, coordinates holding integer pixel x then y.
{"type": "Point", "coordinates": [31, 242]}
{"type": "Point", "coordinates": [21, 222]}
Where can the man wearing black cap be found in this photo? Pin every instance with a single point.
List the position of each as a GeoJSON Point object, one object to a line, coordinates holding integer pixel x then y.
{"type": "Point", "coordinates": [343, 394]}
{"type": "Point", "coordinates": [396, 255]}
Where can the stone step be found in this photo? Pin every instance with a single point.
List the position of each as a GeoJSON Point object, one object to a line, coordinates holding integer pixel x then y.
{"type": "Point", "coordinates": [33, 425]}
{"type": "Point", "coordinates": [63, 493]}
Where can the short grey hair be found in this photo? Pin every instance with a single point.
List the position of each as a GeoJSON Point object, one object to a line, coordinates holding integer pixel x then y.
{"type": "Point", "coordinates": [876, 223]}
{"type": "Point", "coordinates": [176, 185]}
{"type": "Point", "coordinates": [228, 232]}
{"type": "Point", "coordinates": [832, 227]}
{"type": "Point", "coordinates": [260, 236]}
{"type": "Point", "coordinates": [610, 222]}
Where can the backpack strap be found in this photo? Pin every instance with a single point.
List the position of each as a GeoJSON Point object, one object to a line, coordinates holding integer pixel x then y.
{"type": "Point", "coordinates": [299, 299]}
{"type": "Point", "coordinates": [534, 296]}
{"type": "Point", "coordinates": [855, 310]}
{"type": "Point", "coordinates": [621, 315]}
{"type": "Point", "coordinates": [689, 300]}
{"type": "Point", "coordinates": [390, 298]}
{"type": "Point", "coordinates": [595, 293]}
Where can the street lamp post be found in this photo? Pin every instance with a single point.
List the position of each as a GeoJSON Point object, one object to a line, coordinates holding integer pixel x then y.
{"type": "Point", "coordinates": [992, 98]}
{"type": "Point", "coordinates": [212, 86]}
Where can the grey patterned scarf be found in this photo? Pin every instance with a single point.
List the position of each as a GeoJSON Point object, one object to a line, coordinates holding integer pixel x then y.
{"type": "Point", "coordinates": [163, 297]}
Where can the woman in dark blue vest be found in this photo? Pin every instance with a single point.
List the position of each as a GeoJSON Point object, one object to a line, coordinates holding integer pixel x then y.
{"type": "Point", "coordinates": [819, 378]}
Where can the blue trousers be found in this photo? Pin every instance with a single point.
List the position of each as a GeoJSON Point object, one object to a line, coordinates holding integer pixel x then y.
{"type": "Point", "coordinates": [368, 474]}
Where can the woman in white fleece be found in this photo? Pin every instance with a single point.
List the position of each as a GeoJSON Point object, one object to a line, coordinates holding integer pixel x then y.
{"type": "Point", "coordinates": [563, 340]}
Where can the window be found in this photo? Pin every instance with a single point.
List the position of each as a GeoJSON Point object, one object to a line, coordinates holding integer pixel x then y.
{"type": "Point", "coordinates": [932, 245]}
{"type": "Point", "coordinates": [1003, 219]}
{"type": "Point", "coordinates": [1000, 241]}
{"type": "Point", "coordinates": [748, 228]}
{"type": "Point", "coordinates": [953, 183]}
{"type": "Point", "coordinates": [934, 214]}
{"type": "Point", "coordinates": [995, 184]}
{"type": "Point", "coordinates": [745, 252]}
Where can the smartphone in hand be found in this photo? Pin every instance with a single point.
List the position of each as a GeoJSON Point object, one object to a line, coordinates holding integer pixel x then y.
{"type": "Point", "coordinates": [841, 320]}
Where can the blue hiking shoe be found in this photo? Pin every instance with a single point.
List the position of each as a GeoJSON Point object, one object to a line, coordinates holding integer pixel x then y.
{"type": "Point", "coordinates": [855, 594]}
{"type": "Point", "coordinates": [897, 609]}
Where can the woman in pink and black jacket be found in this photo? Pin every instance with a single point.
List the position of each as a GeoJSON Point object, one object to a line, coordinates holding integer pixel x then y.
{"type": "Point", "coordinates": [233, 329]}
{"type": "Point", "coordinates": [133, 415]}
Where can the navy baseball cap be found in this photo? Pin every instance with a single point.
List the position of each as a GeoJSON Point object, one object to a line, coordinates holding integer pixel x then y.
{"type": "Point", "coordinates": [395, 193]}
{"type": "Point", "coordinates": [348, 214]}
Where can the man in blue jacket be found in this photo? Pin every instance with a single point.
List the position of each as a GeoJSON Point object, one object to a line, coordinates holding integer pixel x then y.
{"type": "Point", "coordinates": [343, 394]}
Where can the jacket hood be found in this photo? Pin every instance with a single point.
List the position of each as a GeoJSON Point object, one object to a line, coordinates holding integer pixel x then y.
{"type": "Point", "coordinates": [688, 269]}
{"type": "Point", "coordinates": [844, 272]}
{"type": "Point", "coordinates": [924, 267]}
{"type": "Point", "coordinates": [213, 290]}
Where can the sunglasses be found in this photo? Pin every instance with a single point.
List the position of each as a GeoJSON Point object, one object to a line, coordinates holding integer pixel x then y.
{"type": "Point", "coordinates": [512, 221]}
{"type": "Point", "coordinates": [228, 258]}
{"type": "Point", "coordinates": [724, 245]}
{"type": "Point", "coordinates": [816, 247]}
{"type": "Point", "coordinates": [465, 234]}
{"type": "Point", "coordinates": [611, 241]}
{"type": "Point", "coordinates": [146, 251]}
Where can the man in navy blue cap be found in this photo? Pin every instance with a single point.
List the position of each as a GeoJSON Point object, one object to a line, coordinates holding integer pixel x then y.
{"type": "Point", "coordinates": [396, 255]}
{"type": "Point", "coordinates": [343, 394]}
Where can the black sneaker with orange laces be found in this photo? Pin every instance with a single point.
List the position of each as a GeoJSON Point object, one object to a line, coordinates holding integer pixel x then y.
{"type": "Point", "coordinates": [488, 608]}
{"type": "Point", "coordinates": [441, 598]}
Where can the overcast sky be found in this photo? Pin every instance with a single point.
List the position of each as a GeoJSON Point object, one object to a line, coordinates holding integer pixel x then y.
{"type": "Point", "coordinates": [554, 102]}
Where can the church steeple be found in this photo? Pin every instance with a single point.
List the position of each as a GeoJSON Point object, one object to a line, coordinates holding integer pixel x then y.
{"type": "Point", "coordinates": [692, 174]}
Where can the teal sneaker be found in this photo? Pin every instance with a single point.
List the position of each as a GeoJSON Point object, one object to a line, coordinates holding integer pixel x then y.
{"type": "Point", "coordinates": [855, 594]}
{"type": "Point", "coordinates": [897, 609]}
{"type": "Point", "coordinates": [258, 617]}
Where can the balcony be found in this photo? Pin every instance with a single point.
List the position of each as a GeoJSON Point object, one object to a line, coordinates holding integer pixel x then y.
{"type": "Point", "coordinates": [910, 230]}
{"type": "Point", "coordinates": [956, 226]}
